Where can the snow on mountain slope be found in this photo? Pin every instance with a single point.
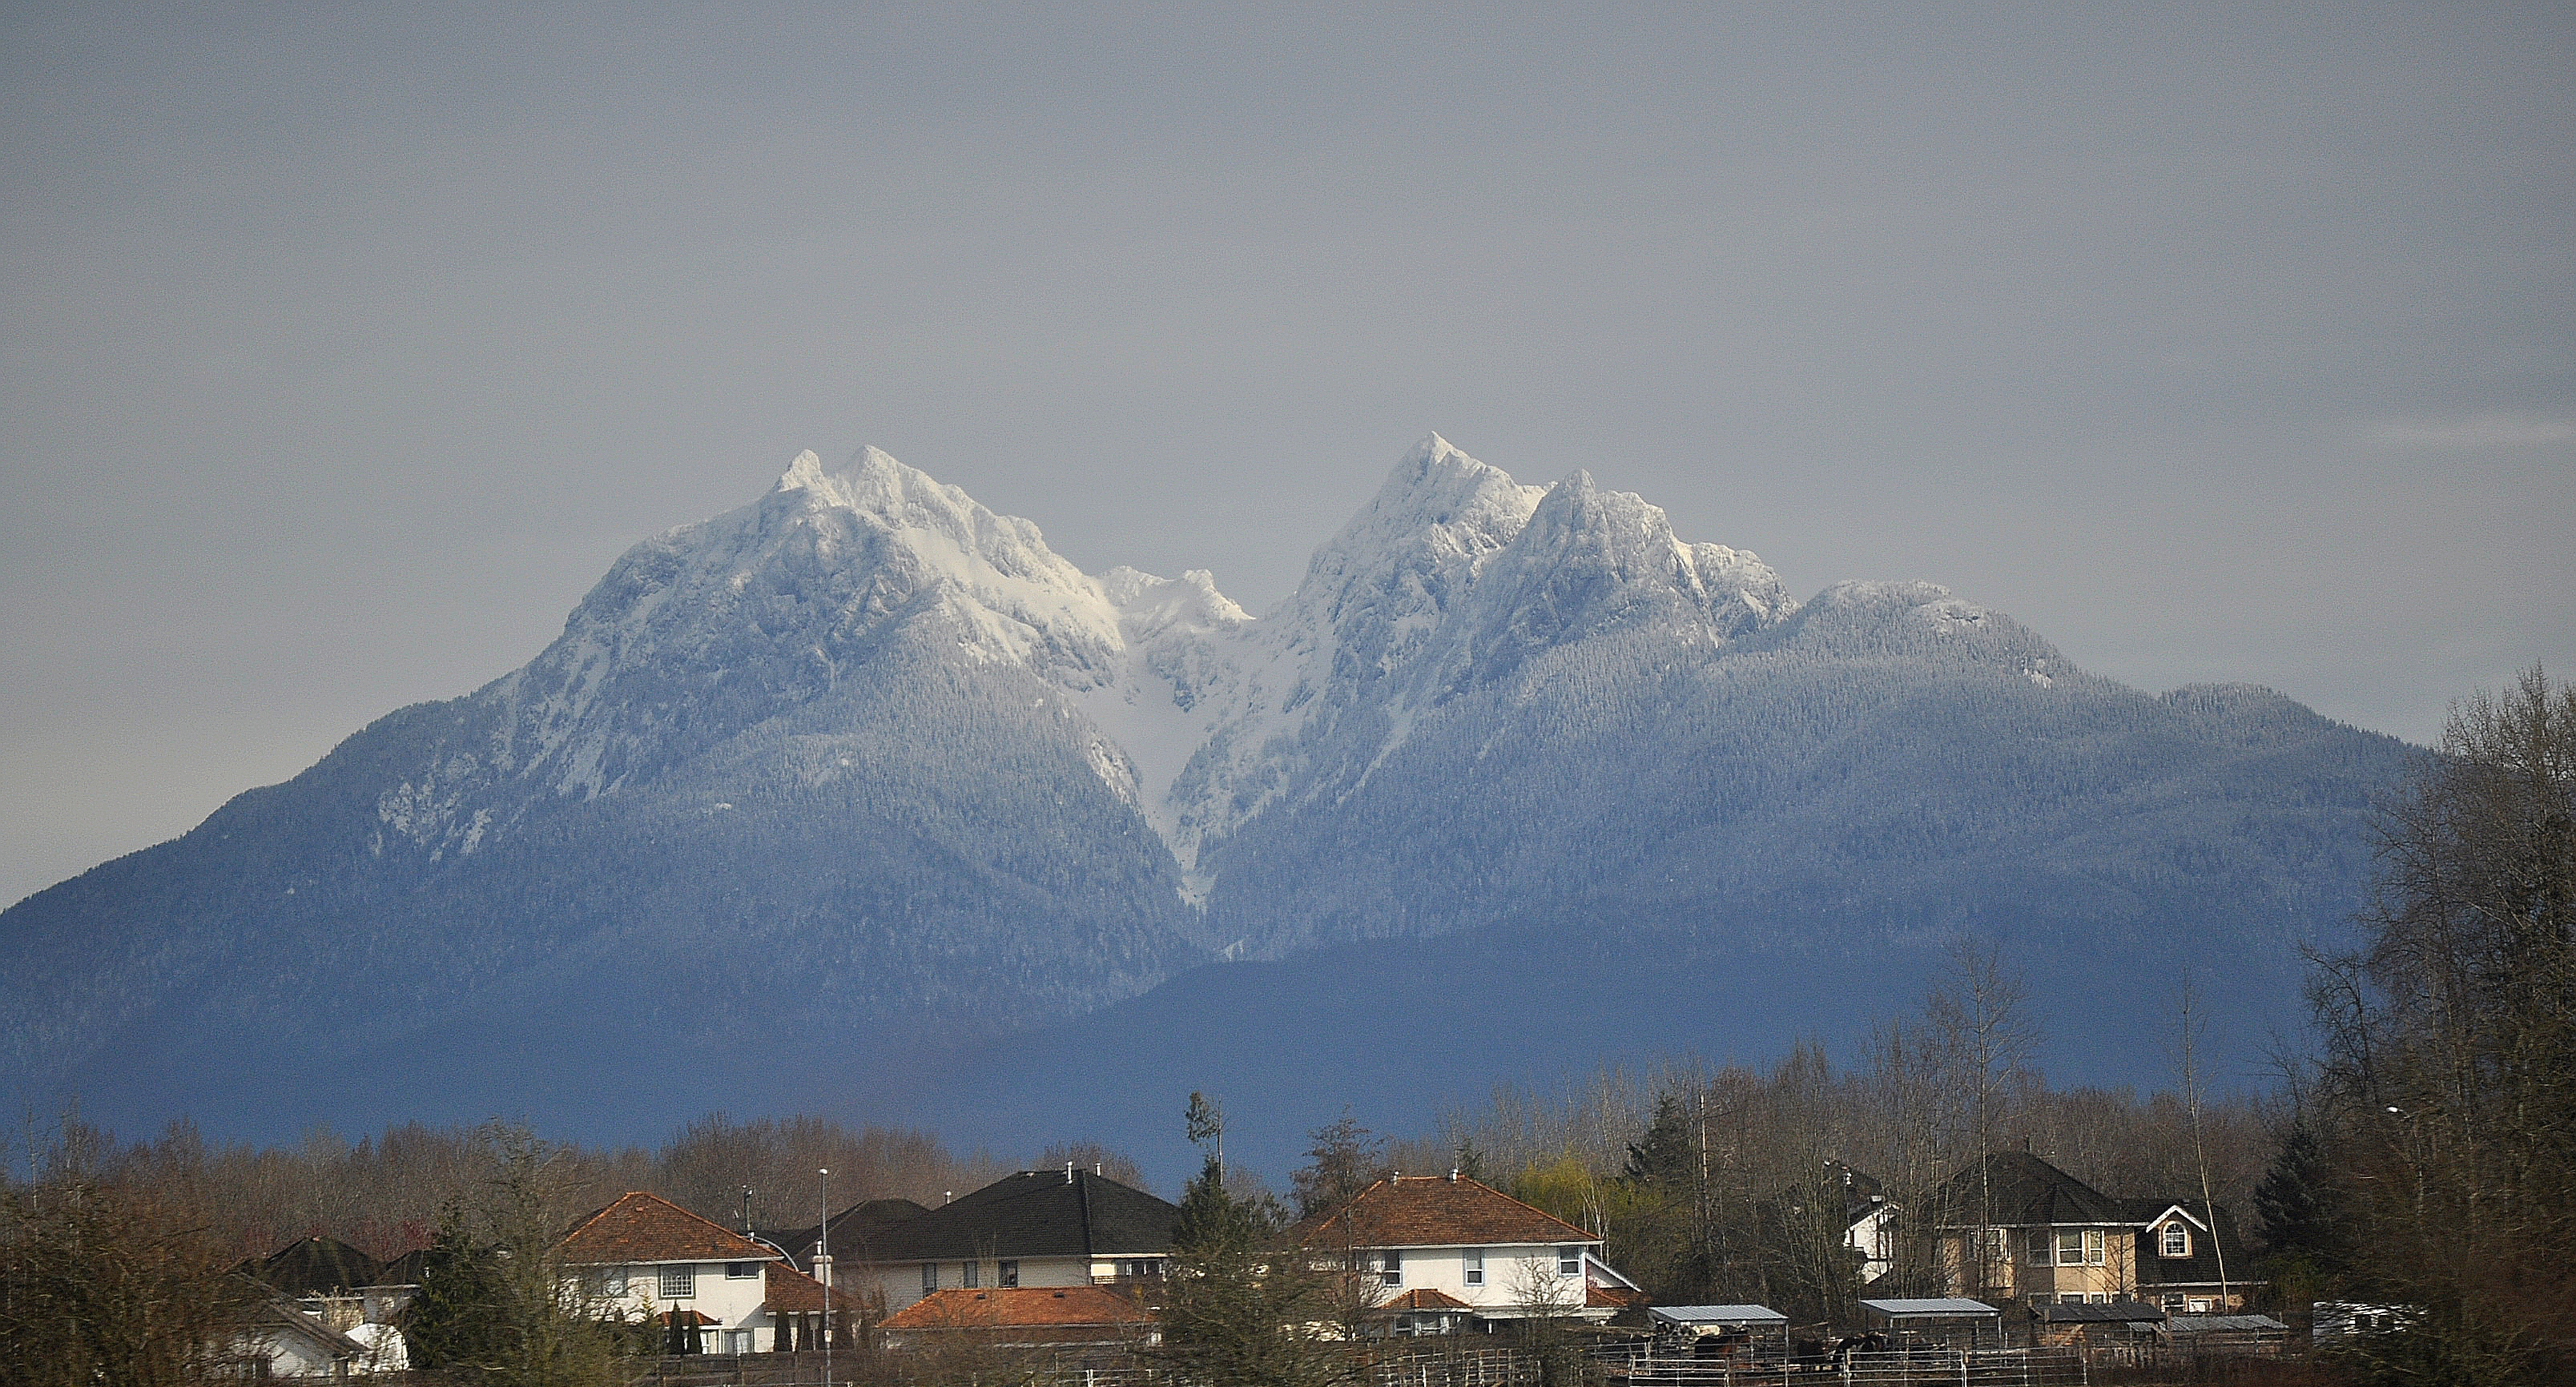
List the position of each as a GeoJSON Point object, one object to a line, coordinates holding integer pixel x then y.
{"type": "Point", "coordinates": [715, 626]}
{"type": "Point", "coordinates": [1449, 578]}
{"type": "Point", "coordinates": [865, 759]}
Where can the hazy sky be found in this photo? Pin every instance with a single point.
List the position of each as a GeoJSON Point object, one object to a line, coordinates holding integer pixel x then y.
{"type": "Point", "coordinates": [342, 348]}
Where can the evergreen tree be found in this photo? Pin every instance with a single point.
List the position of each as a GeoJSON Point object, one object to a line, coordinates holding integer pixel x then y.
{"type": "Point", "coordinates": [1241, 1306]}
{"type": "Point", "coordinates": [2295, 1202]}
{"type": "Point", "coordinates": [1668, 1155]}
{"type": "Point", "coordinates": [1214, 1221]}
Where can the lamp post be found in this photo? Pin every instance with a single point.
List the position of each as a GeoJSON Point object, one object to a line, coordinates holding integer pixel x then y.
{"type": "Point", "coordinates": [823, 1264]}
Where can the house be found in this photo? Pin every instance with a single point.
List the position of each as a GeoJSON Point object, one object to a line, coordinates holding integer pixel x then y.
{"type": "Point", "coordinates": [795, 1308]}
{"type": "Point", "coordinates": [285, 1340]}
{"type": "Point", "coordinates": [1035, 1229]}
{"type": "Point", "coordinates": [2051, 1239]}
{"type": "Point", "coordinates": [2180, 1255]}
{"type": "Point", "coordinates": [325, 1276]}
{"type": "Point", "coordinates": [1491, 1258]}
{"type": "Point", "coordinates": [1869, 1220]}
{"type": "Point", "coordinates": [645, 1257]}
{"type": "Point", "coordinates": [1027, 1317]}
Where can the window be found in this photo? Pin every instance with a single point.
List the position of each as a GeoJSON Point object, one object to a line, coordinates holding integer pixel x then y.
{"type": "Point", "coordinates": [1569, 1261]}
{"type": "Point", "coordinates": [1006, 1274]}
{"type": "Point", "coordinates": [679, 1281]}
{"type": "Point", "coordinates": [1471, 1266]}
{"type": "Point", "coordinates": [2037, 1248]}
{"type": "Point", "coordinates": [1390, 1266]}
{"type": "Point", "coordinates": [742, 1271]}
{"type": "Point", "coordinates": [2070, 1247]}
{"type": "Point", "coordinates": [1141, 1268]}
{"type": "Point", "coordinates": [2097, 1298]}
{"type": "Point", "coordinates": [1886, 1243]}
{"type": "Point", "coordinates": [615, 1282]}
{"type": "Point", "coordinates": [970, 1274]}
{"type": "Point", "coordinates": [929, 1277]}
{"type": "Point", "coordinates": [2176, 1241]}
{"type": "Point", "coordinates": [2096, 1242]}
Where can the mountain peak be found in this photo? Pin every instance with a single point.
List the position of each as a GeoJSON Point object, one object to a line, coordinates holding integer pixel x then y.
{"type": "Point", "coordinates": [805, 471]}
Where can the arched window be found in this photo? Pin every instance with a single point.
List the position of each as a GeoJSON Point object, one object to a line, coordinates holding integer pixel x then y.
{"type": "Point", "coordinates": [2176, 1241]}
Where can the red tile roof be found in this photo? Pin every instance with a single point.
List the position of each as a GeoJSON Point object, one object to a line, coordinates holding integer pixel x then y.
{"type": "Point", "coordinates": [1424, 1299]}
{"type": "Point", "coordinates": [643, 1227]}
{"type": "Point", "coordinates": [789, 1291]}
{"type": "Point", "coordinates": [1024, 1307]}
{"type": "Point", "coordinates": [1434, 1211]}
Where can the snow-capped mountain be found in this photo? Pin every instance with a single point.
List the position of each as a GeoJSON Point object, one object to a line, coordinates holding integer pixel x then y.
{"type": "Point", "coordinates": [867, 754]}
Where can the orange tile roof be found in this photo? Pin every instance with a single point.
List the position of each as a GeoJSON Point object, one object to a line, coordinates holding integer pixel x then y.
{"type": "Point", "coordinates": [789, 1291]}
{"type": "Point", "coordinates": [1434, 1211]}
{"type": "Point", "coordinates": [1023, 1307]}
{"type": "Point", "coordinates": [642, 1227]}
{"type": "Point", "coordinates": [1614, 1297]}
{"type": "Point", "coordinates": [1427, 1298]}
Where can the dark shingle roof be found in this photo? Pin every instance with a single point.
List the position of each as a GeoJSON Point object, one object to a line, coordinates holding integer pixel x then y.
{"type": "Point", "coordinates": [319, 1266]}
{"type": "Point", "coordinates": [2026, 1191]}
{"type": "Point", "coordinates": [856, 1231]}
{"type": "Point", "coordinates": [1035, 1213]}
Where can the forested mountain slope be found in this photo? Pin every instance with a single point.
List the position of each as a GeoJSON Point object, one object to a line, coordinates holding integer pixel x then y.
{"type": "Point", "coordinates": [868, 763]}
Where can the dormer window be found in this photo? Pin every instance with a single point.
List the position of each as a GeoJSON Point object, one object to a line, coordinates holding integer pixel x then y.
{"type": "Point", "coordinates": [2175, 1241]}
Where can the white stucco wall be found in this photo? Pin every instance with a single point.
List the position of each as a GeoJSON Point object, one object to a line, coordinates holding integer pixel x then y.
{"type": "Point", "coordinates": [1444, 1269]}
{"type": "Point", "coordinates": [733, 1302]}
{"type": "Point", "coordinates": [900, 1282]}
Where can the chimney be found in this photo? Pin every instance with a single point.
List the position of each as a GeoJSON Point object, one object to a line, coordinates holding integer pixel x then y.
{"type": "Point", "coordinates": [1453, 1175]}
{"type": "Point", "coordinates": [1068, 1172]}
{"type": "Point", "coordinates": [1095, 1167]}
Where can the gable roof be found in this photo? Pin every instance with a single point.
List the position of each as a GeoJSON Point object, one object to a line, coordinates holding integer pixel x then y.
{"type": "Point", "coordinates": [1434, 1211]}
{"type": "Point", "coordinates": [1024, 1307]}
{"type": "Point", "coordinates": [642, 1227]}
{"type": "Point", "coordinates": [1035, 1213]}
{"type": "Point", "coordinates": [2026, 1191]}
{"type": "Point", "coordinates": [2156, 1271]}
{"type": "Point", "coordinates": [319, 1266]}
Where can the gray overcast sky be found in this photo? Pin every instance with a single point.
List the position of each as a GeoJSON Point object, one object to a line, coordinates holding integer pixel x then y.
{"type": "Point", "coordinates": [343, 347]}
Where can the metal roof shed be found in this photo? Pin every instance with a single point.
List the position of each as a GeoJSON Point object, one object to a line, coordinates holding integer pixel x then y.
{"type": "Point", "coordinates": [1721, 1316]}
{"type": "Point", "coordinates": [1938, 1318]}
{"type": "Point", "coordinates": [1749, 1335]}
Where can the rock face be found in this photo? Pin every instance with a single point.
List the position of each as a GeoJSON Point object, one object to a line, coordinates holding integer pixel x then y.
{"type": "Point", "coordinates": [869, 747]}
